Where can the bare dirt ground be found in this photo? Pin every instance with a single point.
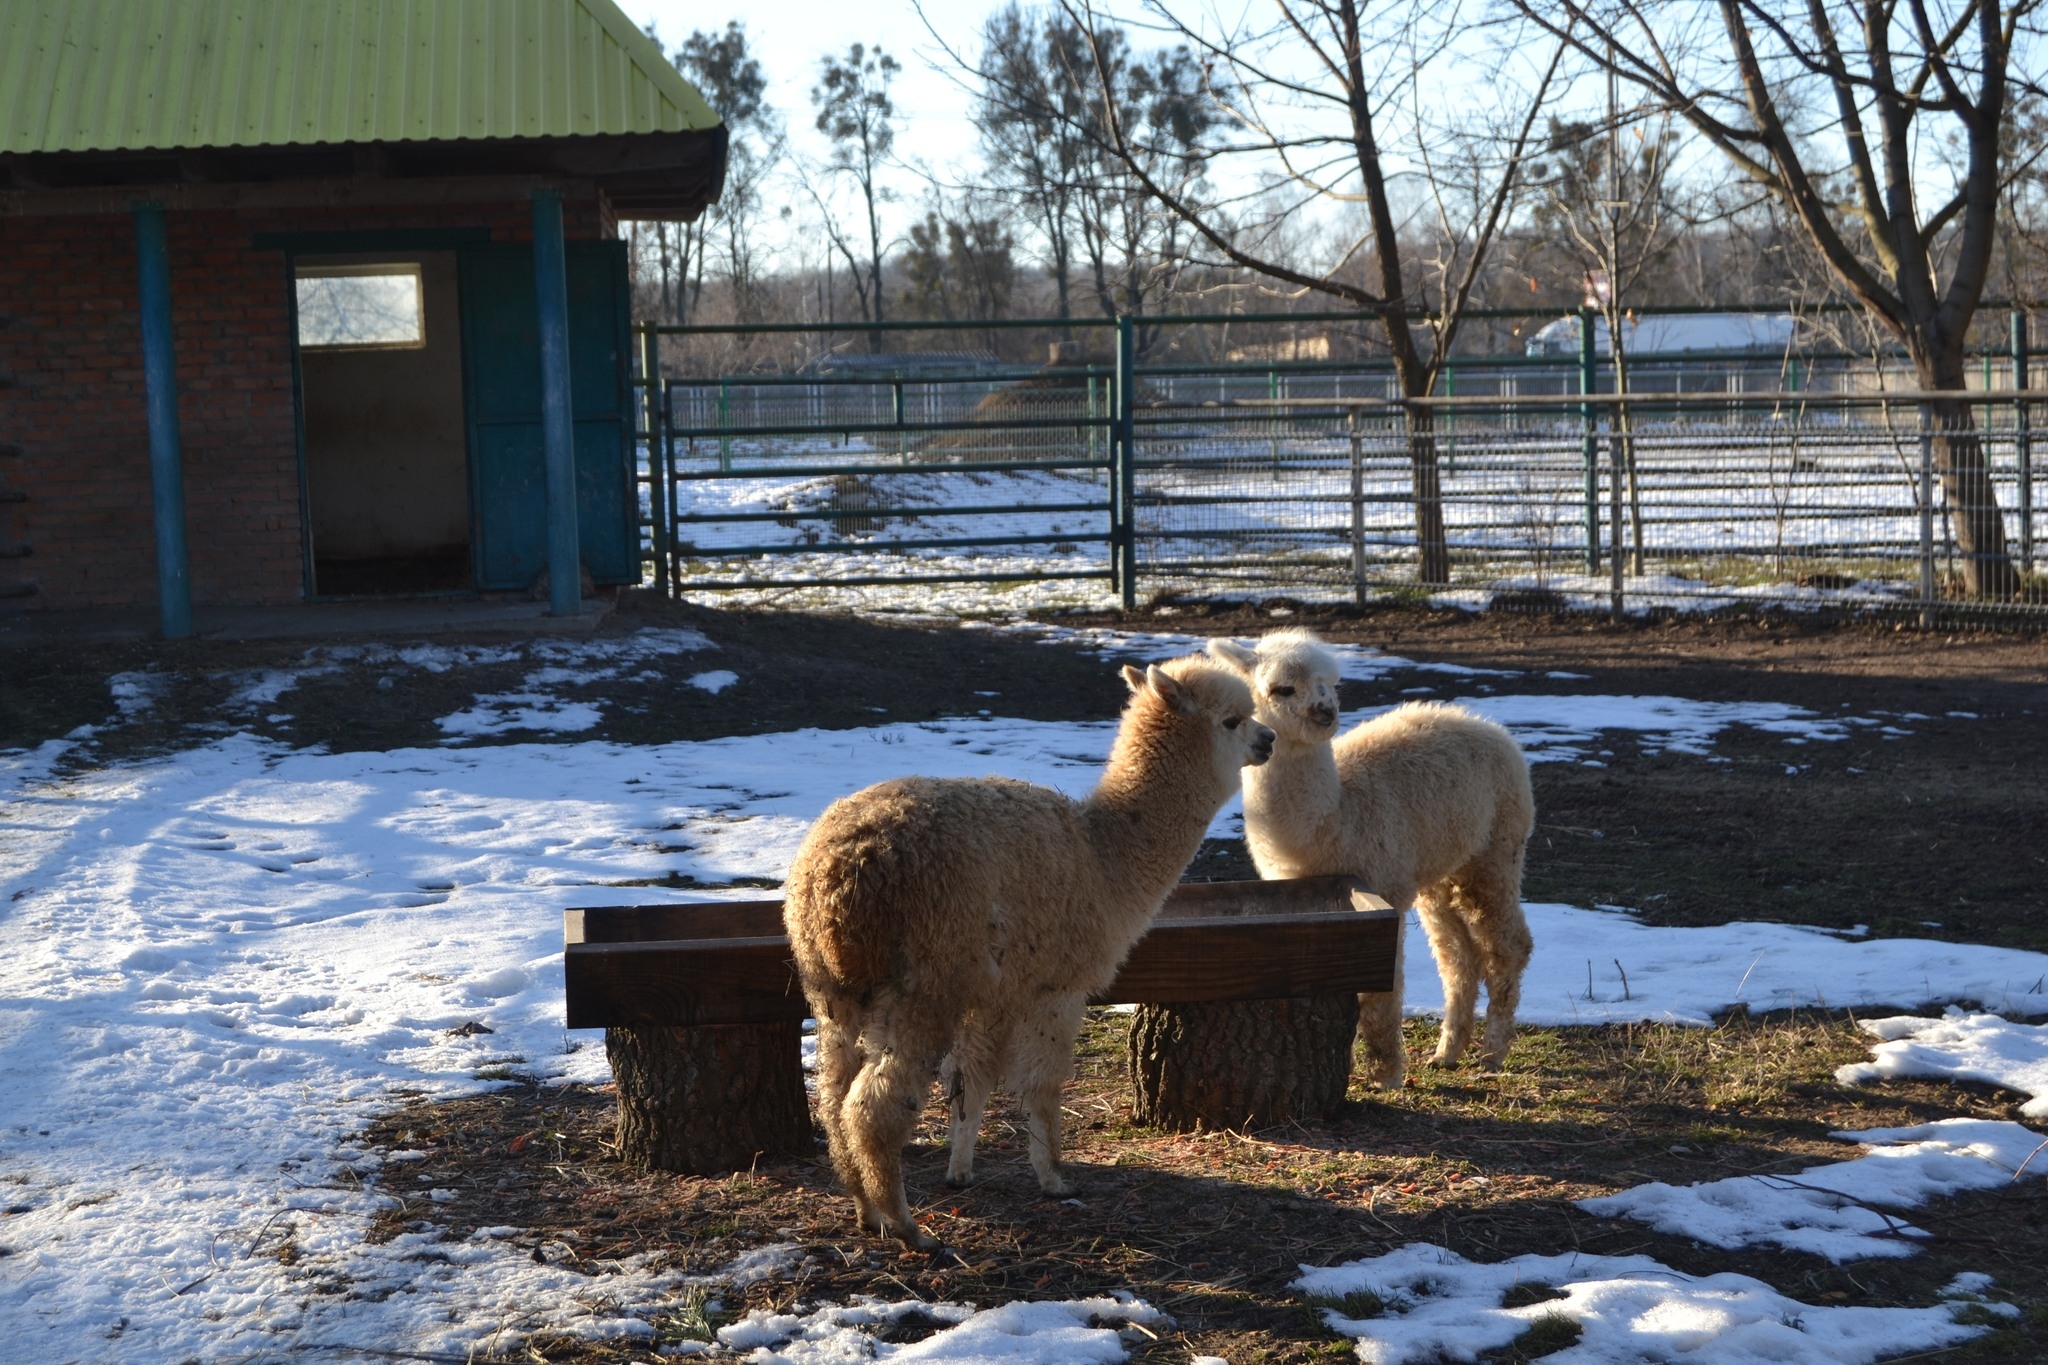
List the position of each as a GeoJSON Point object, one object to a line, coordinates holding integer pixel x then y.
{"type": "Point", "coordinates": [1940, 831]}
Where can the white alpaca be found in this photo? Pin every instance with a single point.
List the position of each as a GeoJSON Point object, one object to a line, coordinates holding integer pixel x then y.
{"type": "Point", "coordinates": [976, 917]}
{"type": "Point", "coordinates": [1428, 804]}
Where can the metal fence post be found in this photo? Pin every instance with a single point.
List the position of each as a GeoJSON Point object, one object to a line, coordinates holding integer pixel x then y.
{"type": "Point", "coordinates": [1616, 607]}
{"type": "Point", "coordinates": [1357, 506]}
{"type": "Point", "coordinates": [2023, 445]}
{"type": "Point", "coordinates": [657, 473]}
{"type": "Point", "coordinates": [724, 423]}
{"type": "Point", "coordinates": [1589, 439]}
{"type": "Point", "coordinates": [1123, 456]}
{"type": "Point", "coordinates": [1926, 520]}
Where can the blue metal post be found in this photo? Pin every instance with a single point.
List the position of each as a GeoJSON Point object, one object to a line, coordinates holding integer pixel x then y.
{"type": "Point", "coordinates": [1590, 442]}
{"type": "Point", "coordinates": [1124, 452]}
{"type": "Point", "coordinates": [557, 421]}
{"type": "Point", "coordinates": [166, 453]}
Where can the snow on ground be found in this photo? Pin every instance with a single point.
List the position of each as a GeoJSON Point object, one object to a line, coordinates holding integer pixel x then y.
{"type": "Point", "coordinates": [562, 661]}
{"type": "Point", "coordinates": [1964, 1047]}
{"type": "Point", "coordinates": [1605, 967]}
{"type": "Point", "coordinates": [1836, 1210]}
{"type": "Point", "coordinates": [1022, 1333]}
{"type": "Point", "coordinates": [214, 966]}
{"type": "Point", "coordinates": [1629, 1309]}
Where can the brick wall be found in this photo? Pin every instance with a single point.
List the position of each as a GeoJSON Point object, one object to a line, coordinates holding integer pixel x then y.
{"type": "Point", "coordinates": [72, 399]}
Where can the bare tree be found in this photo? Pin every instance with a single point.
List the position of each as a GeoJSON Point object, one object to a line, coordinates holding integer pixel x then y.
{"type": "Point", "coordinates": [1606, 188]}
{"type": "Point", "coordinates": [1882, 128]}
{"type": "Point", "coordinates": [855, 111]}
{"type": "Point", "coordinates": [731, 78]}
{"type": "Point", "coordinates": [1039, 106]}
{"type": "Point", "coordinates": [1314, 96]}
{"type": "Point", "coordinates": [960, 264]}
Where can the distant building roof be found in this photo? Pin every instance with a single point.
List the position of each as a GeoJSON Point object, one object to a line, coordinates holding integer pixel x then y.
{"type": "Point", "coordinates": [1674, 333]}
{"type": "Point", "coordinates": [105, 92]}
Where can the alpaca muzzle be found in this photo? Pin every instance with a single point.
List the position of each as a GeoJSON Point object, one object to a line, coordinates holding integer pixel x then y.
{"type": "Point", "coordinates": [1323, 716]}
{"type": "Point", "coordinates": [1262, 745]}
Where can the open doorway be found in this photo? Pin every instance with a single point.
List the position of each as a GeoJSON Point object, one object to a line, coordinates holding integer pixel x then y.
{"type": "Point", "coordinates": [380, 392]}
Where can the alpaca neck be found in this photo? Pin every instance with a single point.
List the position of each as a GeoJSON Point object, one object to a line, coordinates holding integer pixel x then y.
{"type": "Point", "coordinates": [1295, 796]}
{"type": "Point", "coordinates": [1146, 820]}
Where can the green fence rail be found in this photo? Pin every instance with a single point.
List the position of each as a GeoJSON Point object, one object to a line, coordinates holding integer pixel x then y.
{"type": "Point", "coordinates": [1809, 477]}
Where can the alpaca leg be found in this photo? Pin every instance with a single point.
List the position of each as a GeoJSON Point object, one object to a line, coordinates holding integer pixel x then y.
{"type": "Point", "coordinates": [1379, 1025]}
{"type": "Point", "coordinates": [977, 1059]}
{"type": "Point", "coordinates": [1504, 948]}
{"type": "Point", "coordinates": [839, 1062]}
{"type": "Point", "coordinates": [882, 1108]}
{"type": "Point", "coordinates": [1044, 1058]}
{"type": "Point", "coordinates": [1457, 962]}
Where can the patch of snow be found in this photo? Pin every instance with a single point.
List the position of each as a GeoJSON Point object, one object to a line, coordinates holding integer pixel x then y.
{"type": "Point", "coordinates": [1553, 728]}
{"type": "Point", "coordinates": [1688, 975]}
{"type": "Point", "coordinates": [715, 681]}
{"type": "Point", "coordinates": [136, 692]}
{"type": "Point", "coordinates": [504, 712]}
{"type": "Point", "coordinates": [1961, 1046]}
{"type": "Point", "coordinates": [1021, 1333]}
{"type": "Point", "coordinates": [1837, 1210]}
{"type": "Point", "coordinates": [1629, 1309]}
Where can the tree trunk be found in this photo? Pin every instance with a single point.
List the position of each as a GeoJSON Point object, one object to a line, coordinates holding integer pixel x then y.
{"type": "Point", "coordinates": [1432, 548]}
{"type": "Point", "coordinates": [1241, 1064]}
{"type": "Point", "coordinates": [709, 1099]}
{"type": "Point", "coordinates": [1961, 461]}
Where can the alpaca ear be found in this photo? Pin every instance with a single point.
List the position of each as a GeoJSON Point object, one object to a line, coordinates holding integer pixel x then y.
{"type": "Point", "coordinates": [1236, 655]}
{"type": "Point", "coordinates": [1170, 690]}
{"type": "Point", "coordinates": [1133, 679]}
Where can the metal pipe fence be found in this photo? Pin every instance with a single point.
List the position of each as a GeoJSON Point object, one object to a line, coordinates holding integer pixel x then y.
{"type": "Point", "coordinates": [1723, 487]}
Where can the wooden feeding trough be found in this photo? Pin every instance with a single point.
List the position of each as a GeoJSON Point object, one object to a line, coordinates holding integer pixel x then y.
{"type": "Point", "coordinates": [1246, 995]}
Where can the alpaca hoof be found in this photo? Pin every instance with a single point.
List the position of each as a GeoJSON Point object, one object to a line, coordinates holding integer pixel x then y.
{"type": "Point", "coordinates": [1057, 1186]}
{"type": "Point", "coordinates": [960, 1180]}
{"type": "Point", "coordinates": [1442, 1061]}
{"type": "Point", "coordinates": [1387, 1078]}
{"type": "Point", "coordinates": [916, 1238]}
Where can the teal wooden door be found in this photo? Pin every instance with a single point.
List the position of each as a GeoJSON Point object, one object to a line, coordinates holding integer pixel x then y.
{"type": "Point", "coordinates": [501, 375]}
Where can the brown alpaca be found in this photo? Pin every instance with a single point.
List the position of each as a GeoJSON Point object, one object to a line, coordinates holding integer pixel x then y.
{"type": "Point", "coordinates": [1429, 805]}
{"type": "Point", "coordinates": [976, 916]}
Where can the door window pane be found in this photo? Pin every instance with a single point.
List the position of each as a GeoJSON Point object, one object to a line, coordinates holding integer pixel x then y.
{"type": "Point", "coordinates": [360, 306]}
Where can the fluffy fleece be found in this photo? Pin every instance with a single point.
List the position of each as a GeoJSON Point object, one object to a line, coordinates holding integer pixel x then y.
{"type": "Point", "coordinates": [976, 916]}
{"type": "Point", "coordinates": [1429, 804]}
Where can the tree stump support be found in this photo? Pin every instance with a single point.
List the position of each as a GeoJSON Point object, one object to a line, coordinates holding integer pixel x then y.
{"type": "Point", "coordinates": [710, 1098]}
{"type": "Point", "coordinates": [1241, 1064]}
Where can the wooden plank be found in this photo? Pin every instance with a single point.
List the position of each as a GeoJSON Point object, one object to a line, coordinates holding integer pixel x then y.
{"type": "Point", "coordinates": [681, 981]}
{"type": "Point", "coordinates": [1258, 957]}
{"type": "Point", "coordinates": [752, 979]}
{"type": "Point", "coordinates": [761, 918]}
{"type": "Point", "coordinates": [689, 920]}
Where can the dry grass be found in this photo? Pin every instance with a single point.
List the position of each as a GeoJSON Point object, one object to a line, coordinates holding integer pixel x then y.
{"type": "Point", "coordinates": [1211, 1227]}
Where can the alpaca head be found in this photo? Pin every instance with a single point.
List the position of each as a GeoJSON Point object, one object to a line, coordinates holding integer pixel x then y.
{"type": "Point", "coordinates": [1293, 677]}
{"type": "Point", "coordinates": [1202, 704]}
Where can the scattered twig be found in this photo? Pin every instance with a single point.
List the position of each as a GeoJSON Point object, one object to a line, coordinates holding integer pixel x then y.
{"type": "Point", "coordinates": [1624, 979]}
{"type": "Point", "coordinates": [2018, 1171]}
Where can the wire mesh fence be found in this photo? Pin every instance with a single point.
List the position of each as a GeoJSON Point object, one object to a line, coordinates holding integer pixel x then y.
{"type": "Point", "coordinates": [1810, 480]}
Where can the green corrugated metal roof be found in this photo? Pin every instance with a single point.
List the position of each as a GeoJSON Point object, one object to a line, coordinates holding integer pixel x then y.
{"type": "Point", "coordinates": [129, 75]}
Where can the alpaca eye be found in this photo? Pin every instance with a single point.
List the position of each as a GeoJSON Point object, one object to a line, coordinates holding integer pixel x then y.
{"type": "Point", "coordinates": [1232, 723]}
{"type": "Point", "coordinates": [1283, 691]}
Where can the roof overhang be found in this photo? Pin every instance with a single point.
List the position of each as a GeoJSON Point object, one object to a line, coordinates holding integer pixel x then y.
{"type": "Point", "coordinates": [664, 175]}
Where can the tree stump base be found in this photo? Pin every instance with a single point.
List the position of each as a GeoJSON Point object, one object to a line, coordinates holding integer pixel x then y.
{"type": "Point", "coordinates": [1242, 1064]}
{"type": "Point", "coordinates": [712, 1098]}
